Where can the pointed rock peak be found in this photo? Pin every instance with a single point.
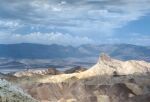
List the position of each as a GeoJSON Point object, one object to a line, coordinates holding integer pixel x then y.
{"type": "Point", "coordinates": [104, 57]}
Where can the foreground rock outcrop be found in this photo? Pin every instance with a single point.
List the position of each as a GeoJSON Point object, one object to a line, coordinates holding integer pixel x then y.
{"type": "Point", "coordinates": [11, 93]}
{"type": "Point", "coordinates": [109, 80]}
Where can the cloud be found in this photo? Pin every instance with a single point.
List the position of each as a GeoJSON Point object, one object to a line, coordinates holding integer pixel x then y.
{"type": "Point", "coordinates": [131, 38]}
{"type": "Point", "coordinates": [94, 19]}
{"type": "Point", "coordinates": [83, 13]}
{"type": "Point", "coordinates": [45, 38]}
{"type": "Point", "coordinates": [139, 39]}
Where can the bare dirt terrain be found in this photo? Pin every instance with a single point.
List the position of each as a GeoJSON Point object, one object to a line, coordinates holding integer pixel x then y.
{"type": "Point", "coordinates": [109, 80]}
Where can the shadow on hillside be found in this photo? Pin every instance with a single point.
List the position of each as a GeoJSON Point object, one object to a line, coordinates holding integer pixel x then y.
{"type": "Point", "coordinates": [115, 88]}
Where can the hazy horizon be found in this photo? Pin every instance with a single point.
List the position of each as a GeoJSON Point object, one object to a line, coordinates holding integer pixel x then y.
{"type": "Point", "coordinates": [74, 45]}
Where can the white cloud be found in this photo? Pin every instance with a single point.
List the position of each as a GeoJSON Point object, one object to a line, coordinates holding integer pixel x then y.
{"type": "Point", "coordinates": [9, 24]}
{"type": "Point", "coordinates": [46, 38]}
{"type": "Point", "coordinates": [131, 38]}
{"type": "Point", "coordinates": [82, 14]}
{"type": "Point", "coordinates": [83, 18]}
{"type": "Point", "coordinates": [139, 39]}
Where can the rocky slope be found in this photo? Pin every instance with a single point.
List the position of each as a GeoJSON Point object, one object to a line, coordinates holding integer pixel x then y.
{"type": "Point", "coordinates": [11, 93]}
{"type": "Point", "coordinates": [34, 72]}
{"type": "Point", "coordinates": [77, 69]}
{"type": "Point", "coordinates": [109, 80]}
{"type": "Point", "coordinates": [109, 66]}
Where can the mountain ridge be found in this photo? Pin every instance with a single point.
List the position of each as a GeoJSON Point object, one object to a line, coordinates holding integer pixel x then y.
{"type": "Point", "coordinates": [109, 80]}
{"type": "Point", "coordinates": [39, 51]}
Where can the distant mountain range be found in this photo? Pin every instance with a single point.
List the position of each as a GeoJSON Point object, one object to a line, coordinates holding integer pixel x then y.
{"type": "Point", "coordinates": [38, 51]}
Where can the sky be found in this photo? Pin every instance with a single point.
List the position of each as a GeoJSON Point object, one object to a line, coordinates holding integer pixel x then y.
{"type": "Point", "coordinates": [75, 22]}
